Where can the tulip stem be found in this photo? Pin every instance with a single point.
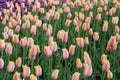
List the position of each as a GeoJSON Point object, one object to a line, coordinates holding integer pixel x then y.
{"type": "Point", "coordinates": [32, 66]}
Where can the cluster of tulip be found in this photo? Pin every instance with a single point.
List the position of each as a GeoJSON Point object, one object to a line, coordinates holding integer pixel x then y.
{"type": "Point", "coordinates": [51, 39]}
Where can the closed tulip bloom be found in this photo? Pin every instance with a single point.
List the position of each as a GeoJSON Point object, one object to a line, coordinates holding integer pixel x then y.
{"type": "Point", "coordinates": [10, 66]}
{"type": "Point", "coordinates": [16, 76]}
{"type": "Point", "coordinates": [55, 74]}
{"type": "Point", "coordinates": [38, 23]}
{"type": "Point", "coordinates": [25, 71]}
{"type": "Point", "coordinates": [72, 49]}
{"type": "Point", "coordinates": [48, 32]}
{"type": "Point", "coordinates": [65, 53]}
{"type": "Point", "coordinates": [47, 51]}
{"type": "Point", "coordinates": [69, 15]}
{"type": "Point", "coordinates": [15, 39]}
{"type": "Point", "coordinates": [47, 17]}
{"type": "Point", "coordinates": [38, 49]}
{"type": "Point", "coordinates": [17, 29]}
{"type": "Point", "coordinates": [53, 47]}
{"type": "Point", "coordinates": [77, 29]}
{"type": "Point", "coordinates": [60, 34]}
{"type": "Point", "coordinates": [57, 16]}
{"type": "Point", "coordinates": [33, 30]}
{"type": "Point", "coordinates": [86, 41]}
{"type": "Point", "coordinates": [81, 16]}
{"type": "Point", "coordinates": [18, 62]}
{"type": "Point", "coordinates": [38, 70]}
{"type": "Point", "coordinates": [98, 17]}
{"type": "Point", "coordinates": [44, 26]}
{"type": "Point", "coordinates": [117, 29]}
{"type": "Point", "coordinates": [87, 58]}
{"type": "Point", "coordinates": [33, 77]}
{"type": "Point", "coordinates": [87, 70]}
{"type": "Point", "coordinates": [68, 22]}
{"type": "Point", "coordinates": [105, 26]}
{"type": "Point", "coordinates": [78, 63]}
{"type": "Point", "coordinates": [66, 10]}
{"type": "Point", "coordinates": [23, 42]}
{"type": "Point", "coordinates": [65, 37]}
{"type": "Point", "coordinates": [109, 75]}
{"type": "Point", "coordinates": [106, 66]}
{"type": "Point", "coordinates": [6, 29]}
{"type": "Point", "coordinates": [76, 76]}
{"type": "Point", "coordinates": [50, 39]}
{"type": "Point", "coordinates": [8, 49]}
{"type": "Point", "coordinates": [115, 20]}
{"type": "Point", "coordinates": [32, 52]}
{"type": "Point", "coordinates": [95, 36]}
{"type": "Point", "coordinates": [2, 44]}
{"type": "Point", "coordinates": [103, 58]}
{"type": "Point", "coordinates": [5, 36]}
{"type": "Point", "coordinates": [90, 31]}
{"type": "Point", "coordinates": [30, 42]}
{"type": "Point", "coordinates": [80, 42]}
{"type": "Point", "coordinates": [1, 63]}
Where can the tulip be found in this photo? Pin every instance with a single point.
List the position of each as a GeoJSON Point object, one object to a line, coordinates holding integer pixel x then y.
{"type": "Point", "coordinates": [80, 42]}
{"type": "Point", "coordinates": [33, 30]}
{"type": "Point", "coordinates": [38, 49]}
{"type": "Point", "coordinates": [10, 66]}
{"type": "Point", "coordinates": [109, 75]}
{"type": "Point", "coordinates": [32, 52]}
{"type": "Point", "coordinates": [86, 41]}
{"type": "Point", "coordinates": [33, 77]}
{"type": "Point", "coordinates": [68, 22]}
{"type": "Point", "coordinates": [16, 76]}
{"type": "Point", "coordinates": [2, 44]}
{"type": "Point", "coordinates": [18, 62]}
{"type": "Point", "coordinates": [1, 63]}
{"type": "Point", "coordinates": [26, 71]}
{"type": "Point", "coordinates": [95, 36]}
{"type": "Point", "coordinates": [106, 66]}
{"type": "Point", "coordinates": [15, 39]}
{"type": "Point", "coordinates": [65, 37]}
{"type": "Point", "coordinates": [72, 49]}
{"type": "Point", "coordinates": [76, 76]}
{"type": "Point", "coordinates": [5, 36]}
{"type": "Point", "coordinates": [55, 74]}
{"type": "Point", "coordinates": [8, 49]}
{"type": "Point", "coordinates": [91, 31]}
{"type": "Point", "coordinates": [87, 70]}
{"type": "Point", "coordinates": [53, 47]}
{"type": "Point", "coordinates": [105, 26]}
{"type": "Point", "coordinates": [47, 51]}
{"type": "Point", "coordinates": [30, 42]}
{"type": "Point", "coordinates": [38, 70]}
{"type": "Point", "coordinates": [57, 16]}
{"type": "Point", "coordinates": [78, 63]}
{"type": "Point", "coordinates": [23, 42]}
{"type": "Point", "coordinates": [115, 20]}
{"type": "Point", "coordinates": [65, 53]}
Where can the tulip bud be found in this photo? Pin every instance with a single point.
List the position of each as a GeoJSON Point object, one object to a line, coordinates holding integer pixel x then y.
{"type": "Point", "coordinates": [26, 71]}
{"type": "Point", "coordinates": [95, 36]}
{"type": "Point", "coordinates": [8, 49]}
{"type": "Point", "coordinates": [115, 20]}
{"type": "Point", "coordinates": [53, 47]}
{"type": "Point", "coordinates": [109, 75]}
{"type": "Point", "coordinates": [80, 42]}
{"type": "Point", "coordinates": [32, 52]}
{"type": "Point", "coordinates": [78, 63]}
{"type": "Point", "coordinates": [15, 39]}
{"type": "Point", "coordinates": [33, 77]}
{"type": "Point", "coordinates": [23, 42]}
{"type": "Point", "coordinates": [10, 66]}
{"type": "Point", "coordinates": [16, 76]}
{"type": "Point", "coordinates": [86, 41]}
{"type": "Point", "coordinates": [30, 42]}
{"type": "Point", "coordinates": [106, 66]}
{"type": "Point", "coordinates": [91, 31]}
{"type": "Point", "coordinates": [47, 51]}
{"type": "Point", "coordinates": [33, 30]}
{"type": "Point", "coordinates": [65, 53]}
{"type": "Point", "coordinates": [65, 37]}
{"type": "Point", "coordinates": [18, 62]}
{"type": "Point", "coordinates": [67, 23]}
{"type": "Point", "coordinates": [105, 26]}
{"type": "Point", "coordinates": [72, 49]}
{"type": "Point", "coordinates": [5, 35]}
{"type": "Point", "coordinates": [38, 70]}
{"type": "Point", "coordinates": [55, 74]}
{"type": "Point", "coordinates": [76, 76]}
{"type": "Point", "coordinates": [87, 70]}
{"type": "Point", "coordinates": [2, 44]}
